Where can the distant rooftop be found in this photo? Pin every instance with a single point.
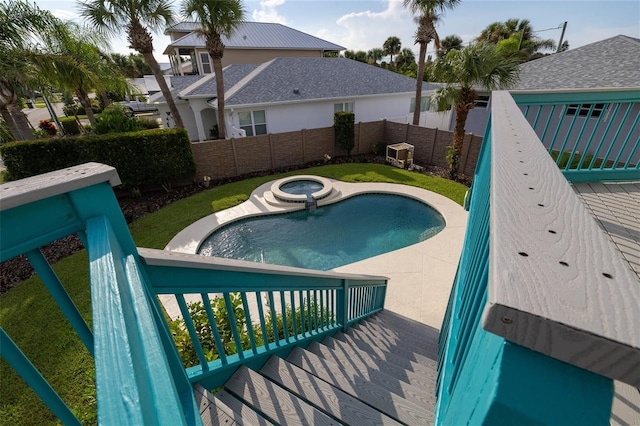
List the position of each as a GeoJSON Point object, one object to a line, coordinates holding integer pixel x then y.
{"type": "Point", "coordinates": [296, 79]}
{"type": "Point", "coordinates": [610, 63]}
{"type": "Point", "coordinates": [255, 35]}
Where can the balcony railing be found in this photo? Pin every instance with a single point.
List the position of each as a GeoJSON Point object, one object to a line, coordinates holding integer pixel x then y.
{"type": "Point", "coordinates": [140, 378]}
{"type": "Point", "coordinates": [543, 313]}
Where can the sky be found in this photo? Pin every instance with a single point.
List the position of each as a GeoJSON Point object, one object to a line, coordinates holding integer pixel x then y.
{"type": "Point", "coordinates": [363, 24]}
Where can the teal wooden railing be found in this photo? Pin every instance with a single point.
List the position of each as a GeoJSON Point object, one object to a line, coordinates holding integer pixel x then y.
{"type": "Point", "coordinates": [592, 135]}
{"type": "Point", "coordinates": [140, 378]}
{"type": "Point", "coordinates": [542, 311]}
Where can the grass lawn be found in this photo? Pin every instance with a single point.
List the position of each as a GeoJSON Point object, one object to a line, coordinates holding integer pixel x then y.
{"type": "Point", "coordinates": [29, 315]}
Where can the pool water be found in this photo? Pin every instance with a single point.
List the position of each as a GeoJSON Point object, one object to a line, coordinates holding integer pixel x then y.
{"type": "Point", "coordinates": [300, 187]}
{"type": "Point", "coordinates": [330, 236]}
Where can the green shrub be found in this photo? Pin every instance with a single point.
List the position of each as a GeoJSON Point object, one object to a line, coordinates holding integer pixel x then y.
{"type": "Point", "coordinates": [148, 123]}
{"type": "Point", "coordinates": [379, 148]}
{"type": "Point", "coordinates": [204, 331]}
{"type": "Point", "coordinates": [145, 157]}
{"type": "Point", "coordinates": [114, 119]}
{"type": "Point", "coordinates": [70, 125]}
{"type": "Point", "coordinates": [344, 128]}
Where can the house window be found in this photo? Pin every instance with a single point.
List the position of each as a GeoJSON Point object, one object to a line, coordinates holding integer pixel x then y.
{"type": "Point", "coordinates": [583, 110]}
{"type": "Point", "coordinates": [343, 106]}
{"type": "Point", "coordinates": [424, 104]}
{"type": "Point", "coordinates": [206, 63]}
{"type": "Point", "coordinates": [481, 101]}
{"type": "Point", "coordinates": [253, 122]}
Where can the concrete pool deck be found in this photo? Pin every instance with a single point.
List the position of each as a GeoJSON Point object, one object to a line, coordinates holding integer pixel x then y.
{"type": "Point", "coordinates": [420, 275]}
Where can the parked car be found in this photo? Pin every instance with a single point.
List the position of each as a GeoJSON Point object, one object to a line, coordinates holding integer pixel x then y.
{"type": "Point", "coordinates": [138, 106]}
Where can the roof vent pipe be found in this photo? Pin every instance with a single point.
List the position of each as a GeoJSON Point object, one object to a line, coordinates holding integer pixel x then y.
{"type": "Point", "coordinates": [296, 91]}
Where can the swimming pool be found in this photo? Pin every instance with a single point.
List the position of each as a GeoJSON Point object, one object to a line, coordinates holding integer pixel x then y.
{"type": "Point", "coordinates": [334, 235]}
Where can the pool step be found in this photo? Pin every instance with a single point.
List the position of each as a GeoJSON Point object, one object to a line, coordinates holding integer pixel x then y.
{"type": "Point", "coordinates": [356, 378]}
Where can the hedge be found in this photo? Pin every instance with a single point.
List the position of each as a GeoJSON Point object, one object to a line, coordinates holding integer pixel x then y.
{"type": "Point", "coordinates": [70, 125]}
{"type": "Point", "coordinates": [144, 157]}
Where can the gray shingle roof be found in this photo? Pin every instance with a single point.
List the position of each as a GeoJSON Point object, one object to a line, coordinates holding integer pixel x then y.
{"type": "Point", "coordinates": [178, 84]}
{"type": "Point", "coordinates": [231, 75]}
{"type": "Point", "coordinates": [320, 78]}
{"type": "Point", "coordinates": [261, 35]}
{"type": "Point", "coordinates": [610, 63]}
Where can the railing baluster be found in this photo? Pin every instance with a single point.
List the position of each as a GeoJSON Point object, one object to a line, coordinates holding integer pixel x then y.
{"type": "Point", "coordinates": [591, 136]}
{"type": "Point", "coordinates": [577, 143]}
{"type": "Point", "coordinates": [34, 379]}
{"type": "Point", "coordinates": [631, 154]}
{"type": "Point", "coordinates": [546, 127]}
{"type": "Point", "coordinates": [612, 118]}
{"type": "Point", "coordinates": [233, 324]}
{"type": "Point", "coordinates": [315, 310]}
{"type": "Point", "coordinates": [615, 137]}
{"type": "Point", "coordinates": [303, 325]}
{"type": "Point", "coordinates": [60, 295]}
{"type": "Point", "coordinates": [322, 309]}
{"type": "Point", "coordinates": [214, 328]}
{"type": "Point", "coordinates": [263, 327]}
{"type": "Point", "coordinates": [285, 322]}
{"type": "Point", "coordinates": [309, 310]}
{"type": "Point", "coordinates": [569, 131]}
{"type": "Point", "coordinates": [626, 141]}
{"type": "Point", "coordinates": [294, 320]}
{"type": "Point", "coordinates": [188, 321]}
{"type": "Point", "coordinates": [274, 319]}
{"type": "Point", "coordinates": [535, 121]}
{"type": "Point", "coordinates": [249, 324]}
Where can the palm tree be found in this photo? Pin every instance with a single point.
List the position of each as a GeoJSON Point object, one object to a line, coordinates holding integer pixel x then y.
{"type": "Point", "coordinates": [428, 12]}
{"type": "Point", "coordinates": [518, 33]}
{"type": "Point", "coordinates": [449, 43]}
{"type": "Point", "coordinates": [20, 25]}
{"type": "Point", "coordinates": [406, 62]}
{"type": "Point", "coordinates": [374, 55]}
{"type": "Point", "coordinates": [218, 18]}
{"type": "Point", "coordinates": [391, 47]}
{"type": "Point", "coordinates": [100, 74]}
{"type": "Point", "coordinates": [477, 65]}
{"type": "Point", "coordinates": [138, 17]}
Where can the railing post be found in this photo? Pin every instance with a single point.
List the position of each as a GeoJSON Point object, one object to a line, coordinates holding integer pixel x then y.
{"type": "Point", "coordinates": [342, 305]}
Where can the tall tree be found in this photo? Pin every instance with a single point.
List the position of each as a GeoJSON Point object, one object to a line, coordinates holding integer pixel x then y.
{"type": "Point", "coordinates": [100, 74]}
{"type": "Point", "coordinates": [21, 24]}
{"type": "Point", "coordinates": [428, 12]}
{"type": "Point", "coordinates": [406, 62]}
{"type": "Point", "coordinates": [138, 17]}
{"type": "Point", "coordinates": [449, 43]}
{"type": "Point", "coordinates": [217, 18]}
{"type": "Point", "coordinates": [517, 33]}
{"type": "Point", "coordinates": [374, 55]}
{"type": "Point", "coordinates": [477, 65]}
{"type": "Point", "coordinates": [391, 46]}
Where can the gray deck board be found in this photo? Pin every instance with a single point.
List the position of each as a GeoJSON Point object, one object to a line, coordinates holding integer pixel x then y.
{"type": "Point", "coordinates": [421, 344]}
{"type": "Point", "coordinates": [419, 396]}
{"type": "Point", "coordinates": [322, 395]}
{"type": "Point", "coordinates": [616, 208]}
{"type": "Point", "coordinates": [210, 413]}
{"type": "Point", "coordinates": [238, 410]}
{"type": "Point", "coordinates": [273, 401]}
{"type": "Point", "coordinates": [386, 356]}
{"type": "Point", "coordinates": [366, 337]}
{"type": "Point", "coordinates": [422, 381]}
{"type": "Point", "coordinates": [382, 399]}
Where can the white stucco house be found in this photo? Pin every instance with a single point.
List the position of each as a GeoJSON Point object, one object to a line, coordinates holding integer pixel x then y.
{"type": "Point", "coordinates": [288, 94]}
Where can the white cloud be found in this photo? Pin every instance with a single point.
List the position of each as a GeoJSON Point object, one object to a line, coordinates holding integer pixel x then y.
{"type": "Point", "coordinates": [365, 30]}
{"type": "Point", "coordinates": [268, 12]}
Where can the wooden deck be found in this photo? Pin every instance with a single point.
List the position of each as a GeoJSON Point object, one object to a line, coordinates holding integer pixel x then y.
{"type": "Point", "coordinates": [616, 207]}
{"type": "Point", "coordinates": [382, 371]}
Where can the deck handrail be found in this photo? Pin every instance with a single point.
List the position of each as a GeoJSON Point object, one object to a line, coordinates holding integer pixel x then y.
{"type": "Point", "coordinates": [326, 301]}
{"type": "Point", "coordinates": [139, 375]}
{"type": "Point", "coordinates": [594, 134]}
{"type": "Point", "coordinates": [543, 311]}
{"type": "Point", "coordinates": [569, 286]}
